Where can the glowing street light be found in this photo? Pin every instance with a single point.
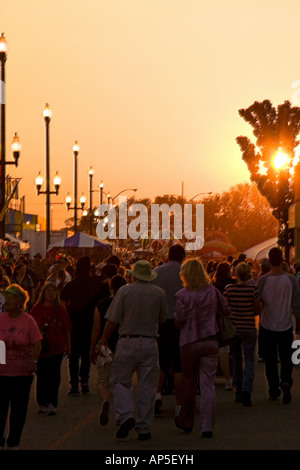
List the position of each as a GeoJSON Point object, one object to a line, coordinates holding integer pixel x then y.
{"type": "Point", "coordinates": [68, 201]}
{"type": "Point", "coordinates": [82, 201]}
{"type": "Point", "coordinates": [56, 182]}
{"type": "Point", "coordinates": [16, 148]}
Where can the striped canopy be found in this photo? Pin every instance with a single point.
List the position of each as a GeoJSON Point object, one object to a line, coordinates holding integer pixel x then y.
{"type": "Point", "coordinates": [81, 240]}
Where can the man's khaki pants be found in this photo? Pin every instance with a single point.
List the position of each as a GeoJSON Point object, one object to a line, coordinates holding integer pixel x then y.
{"type": "Point", "coordinates": [138, 355]}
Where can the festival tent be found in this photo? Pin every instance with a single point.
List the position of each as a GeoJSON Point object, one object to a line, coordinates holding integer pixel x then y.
{"type": "Point", "coordinates": [81, 244]}
{"type": "Point", "coordinates": [261, 250]}
{"type": "Point", "coordinates": [82, 240]}
{"type": "Point", "coordinates": [213, 254]}
{"type": "Point", "coordinates": [221, 247]}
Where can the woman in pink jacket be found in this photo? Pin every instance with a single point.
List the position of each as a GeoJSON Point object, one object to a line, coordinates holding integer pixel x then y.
{"type": "Point", "coordinates": [196, 307]}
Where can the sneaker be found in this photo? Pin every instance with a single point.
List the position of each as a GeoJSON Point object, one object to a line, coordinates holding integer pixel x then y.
{"type": "Point", "coordinates": [228, 384]}
{"type": "Point", "coordinates": [125, 427]}
{"type": "Point", "coordinates": [177, 410]}
{"type": "Point", "coordinates": [186, 430]}
{"type": "Point", "coordinates": [238, 397]}
{"type": "Point", "coordinates": [144, 436]}
{"type": "Point", "coordinates": [207, 434]}
{"type": "Point", "coordinates": [51, 410]}
{"type": "Point", "coordinates": [275, 395]}
{"type": "Point", "coordinates": [85, 389]}
{"type": "Point", "coordinates": [286, 389]}
{"type": "Point", "coordinates": [158, 404]}
{"type": "Point", "coordinates": [246, 398]}
{"type": "Point", "coordinates": [42, 409]}
{"type": "Point", "coordinates": [73, 391]}
{"type": "Point", "coordinates": [103, 417]}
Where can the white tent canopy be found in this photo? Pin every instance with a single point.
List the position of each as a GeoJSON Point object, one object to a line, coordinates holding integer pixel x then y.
{"type": "Point", "coordinates": [261, 250]}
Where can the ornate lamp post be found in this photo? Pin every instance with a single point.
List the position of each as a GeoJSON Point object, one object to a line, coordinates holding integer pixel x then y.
{"type": "Point", "coordinates": [199, 194]}
{"type": "Point", "coordinates": [16, 146]}
{"type": "Point", "coordinates": [101, 192]}
{"type": "Point", "coordinates": [47, 113]}
{"type": "Point", "coordinates": [3, 56]}
{"type": "Point", "coordinates": [68, 201]}
{"type": "Point", "coordinates": [68, 198]}
{"type": "Point", "coordinates": [121, 192]}
{"type": "Point", "coordinates": [91, 174]}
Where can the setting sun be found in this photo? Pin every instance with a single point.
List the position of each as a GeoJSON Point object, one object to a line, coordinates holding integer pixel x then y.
{"type": "Point", "coordinates": [280, 160]}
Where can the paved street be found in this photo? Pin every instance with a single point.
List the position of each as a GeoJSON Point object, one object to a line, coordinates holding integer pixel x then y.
{"type": "Point", "coordinates": [266, 425]}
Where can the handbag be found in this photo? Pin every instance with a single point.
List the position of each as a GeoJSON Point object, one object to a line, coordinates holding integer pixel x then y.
{"type": "Point", "coordinates": [227, 332]}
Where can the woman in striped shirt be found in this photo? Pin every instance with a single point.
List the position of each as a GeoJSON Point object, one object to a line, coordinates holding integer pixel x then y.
{"type": "Point", "coordinates": [244, 307]}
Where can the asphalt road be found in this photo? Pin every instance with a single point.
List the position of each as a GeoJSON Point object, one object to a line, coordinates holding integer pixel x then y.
{"type": "Point", "coordinates": [267, 425]}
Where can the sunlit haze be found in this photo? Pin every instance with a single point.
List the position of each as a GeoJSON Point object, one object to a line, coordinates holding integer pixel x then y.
{"type": "Point", "coordinates": [149, 89]}
{"type": "Point", "coordinates": [280, 159]}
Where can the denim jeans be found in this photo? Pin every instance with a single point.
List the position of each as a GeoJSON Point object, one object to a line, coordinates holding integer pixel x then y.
{"type": "Point", "coordinates": [272, 345]}
{"type": "Point", "coordinates": [243, 350]}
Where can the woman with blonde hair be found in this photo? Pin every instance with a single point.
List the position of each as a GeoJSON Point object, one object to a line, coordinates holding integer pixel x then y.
{"type": "Point", "coordinates": [196, 307]}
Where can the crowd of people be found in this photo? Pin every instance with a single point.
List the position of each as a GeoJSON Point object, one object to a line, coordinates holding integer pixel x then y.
{"type": "Point", "coordinates": [155, 320]}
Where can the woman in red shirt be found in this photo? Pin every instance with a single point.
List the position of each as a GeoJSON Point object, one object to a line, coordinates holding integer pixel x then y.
{"type": "Point", "coordinates": [54, 323]}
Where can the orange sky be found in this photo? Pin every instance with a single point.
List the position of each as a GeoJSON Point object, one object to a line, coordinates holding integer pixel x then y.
{"type": "Point", "coordinates": [150, 88]}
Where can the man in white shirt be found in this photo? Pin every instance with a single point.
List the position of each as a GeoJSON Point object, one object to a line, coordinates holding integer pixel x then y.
{"type": "Point", "coordinates": [137, 308]}
{"type": "Point", "coordinates": [280, 296]}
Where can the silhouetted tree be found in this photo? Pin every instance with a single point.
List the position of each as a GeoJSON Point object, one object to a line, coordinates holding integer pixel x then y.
{"type": "Point", "coordinates": [242, 214]}
{"type": "Point", "coordinates": [273, 129]}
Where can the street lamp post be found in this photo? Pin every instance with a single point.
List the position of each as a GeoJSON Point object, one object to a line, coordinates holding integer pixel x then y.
{"type": "Point", "coordinates": [3, 56]}
{"type": "Point", "coordinates": [82, 198]}
{"type": "Point", "coordinates": [110, 199]}
{"type": "Point", "coordinates": [47, 113]}
{"type": "Point", "coordinates": [68, 201]}
{"type": "Point", "coordinates": [15, 150]}
{"type": "Point", "coordinates": [47, 117]}
{"type": "Point", "coordinates": [199, 194]}
{"type": "Point", "coordinates": [75, 153]}
{"type": "Point", "coordinates": [121, 192]}
{"type": "Point", "coordinates": [101, 193]}
{"type": "Point", "coordinates": [91, 173]}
